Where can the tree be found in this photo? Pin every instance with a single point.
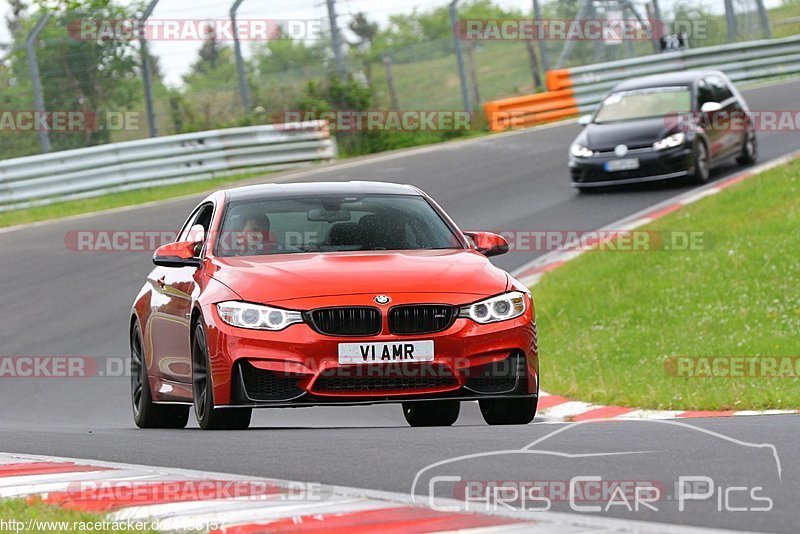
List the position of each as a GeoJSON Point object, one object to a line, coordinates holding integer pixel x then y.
{"type": "Point", "coordinates": [16, 15]}
{"type": "Point", "coordinates": [208, 56]}
{"type": "Point", "coordinates": [79, 74]}
{"type": "Point", "coordinates": [366, 32]}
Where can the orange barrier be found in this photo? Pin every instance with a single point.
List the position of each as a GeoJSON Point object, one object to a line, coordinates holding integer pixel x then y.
{"type": "Point", "coordinates": [524, 111]}
{"type": "Point", "coordinates": [557, 80]}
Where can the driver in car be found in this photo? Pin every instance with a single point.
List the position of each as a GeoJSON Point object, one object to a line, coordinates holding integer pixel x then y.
{"type": "Point", "coordinates": [254, 236]}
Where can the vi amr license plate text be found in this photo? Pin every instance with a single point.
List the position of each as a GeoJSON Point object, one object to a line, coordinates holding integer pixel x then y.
{"type": "Point", "coordinates": [408, 351]}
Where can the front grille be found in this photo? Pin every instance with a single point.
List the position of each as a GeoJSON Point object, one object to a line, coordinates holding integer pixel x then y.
{"type": "Point", "coordinates": [365, 379]}
{"type": "Point", "coordinates": [421, 319]}
{"type": "Point", "coordinates": [261, 385]}
{"type": "Point", "coordinates": [346, 321]}
{"type": "Point", "coordinates": [498, 377]}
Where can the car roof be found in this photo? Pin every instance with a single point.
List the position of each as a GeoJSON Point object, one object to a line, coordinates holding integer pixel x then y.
{"type": "Point", "coordinates": [284, 190]}
{"type": "Point", "coordinates": [665, 80]}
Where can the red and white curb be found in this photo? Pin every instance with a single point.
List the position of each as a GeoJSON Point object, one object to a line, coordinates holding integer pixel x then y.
{"type": "Point", "coordinates": [181, 500]}
{"type": "Point", "coordinates": [557, 408]}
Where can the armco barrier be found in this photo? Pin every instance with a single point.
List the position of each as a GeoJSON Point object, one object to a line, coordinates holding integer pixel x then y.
{"type": "Point", "coordinates": [581, 89]}
{"type": "Point", "coordinates": [86, 172]}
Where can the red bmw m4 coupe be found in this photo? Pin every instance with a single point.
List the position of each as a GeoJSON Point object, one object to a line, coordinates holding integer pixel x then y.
{"type": "Point", "coordinates": [318, 294]}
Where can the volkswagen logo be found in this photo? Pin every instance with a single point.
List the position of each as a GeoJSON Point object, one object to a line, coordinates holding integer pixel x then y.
{"type": "Point", "coordinates": [382, 299]}
{"type": "Point", "coordinates": [621, 150]}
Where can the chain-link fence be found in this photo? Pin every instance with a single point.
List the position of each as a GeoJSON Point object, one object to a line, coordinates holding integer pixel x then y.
{"type": "Point", "coordinates": [405, 62]}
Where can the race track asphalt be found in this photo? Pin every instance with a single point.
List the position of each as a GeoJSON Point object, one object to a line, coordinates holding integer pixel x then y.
{"type": "Point", "coordinates": [59, 302]}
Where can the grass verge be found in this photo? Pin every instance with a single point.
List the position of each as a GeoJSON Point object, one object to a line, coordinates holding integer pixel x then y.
{"type": "Point", "coordinates": [612, 321]}
{"type": "Point", "coordinates": [18, 516]}
{"type": "Point", "coordinates": [116, 200]}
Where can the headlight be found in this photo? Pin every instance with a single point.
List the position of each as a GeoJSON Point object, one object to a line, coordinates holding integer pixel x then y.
{"type": "Point", "coordinates": [255, 317]}
{"type": "Point", "coordinates": [670, 142]}
{"type": "Point", "coordinates": [580, 151]}
{"type": "Point", "coordinates": [496, 309]}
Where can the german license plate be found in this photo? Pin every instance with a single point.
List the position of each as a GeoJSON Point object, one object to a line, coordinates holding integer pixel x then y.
{"type": "Point", "coordinates": [406, 351]}
{"type": "Point", "coordinates": [627, 164]}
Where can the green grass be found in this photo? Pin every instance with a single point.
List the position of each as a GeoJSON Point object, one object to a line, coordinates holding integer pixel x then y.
{"type": "Point", "coordinates": [116, 200]}
{"type": "Point", "coordinates": [610, 321]}
{"type": "Point", "coordinates": [51, 520]}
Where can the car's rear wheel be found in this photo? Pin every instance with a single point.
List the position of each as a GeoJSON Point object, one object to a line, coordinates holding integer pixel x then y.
{"type": "Point", "coordinates": [431, 413]}
{"type": "Point", "coordinates": [749, 150]}
{"type": "Point", "coordinates": [146, 413]}
{"type": "Point", "coordinates": [509, 411]}
{"type": "Point", "coordinates": [209, 417]}
{"type": "Point", "coordinates": [702, 167]}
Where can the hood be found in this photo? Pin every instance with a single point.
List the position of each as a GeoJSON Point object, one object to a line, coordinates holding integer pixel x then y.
{"type": "Point", "coordinates": [635, 134]}
{"type": "Point", "coordinates": [269, 279]}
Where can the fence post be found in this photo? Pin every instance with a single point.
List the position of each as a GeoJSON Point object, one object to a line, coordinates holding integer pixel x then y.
{"type": "Point", "coordinates": [146, 75]}
{"type": "Point", "coordinates": [387, 66]}
{"type": "Point", "coordinates": [537, 15]}
{"type": "Point", "coordinates": [763, 17]}
{"type": "Point", "coordinates": [33, 68]}
{"type": "Point", "coordinates": [244, 89]}
{"type": "Point", "coordinates": [730, 18]}
{"type": "Point", "coordinates": [336, 40]}
{"type": "Point", "coordinates": [462, 71]}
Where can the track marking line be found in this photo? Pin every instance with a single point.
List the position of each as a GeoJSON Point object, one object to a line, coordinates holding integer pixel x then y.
{"type": "Point", "coordinates": [363, 505]}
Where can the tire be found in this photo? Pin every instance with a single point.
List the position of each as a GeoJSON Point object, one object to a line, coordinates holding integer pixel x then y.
{"type": "Point", "coordinates": [702, 167]}
{"type": "Point", "coordinates": [509, 411]}
{"type": "Point", "coordinates": [209, 417]}
{"type": "Point", "coordinates": [431, 413]}
{"type": "Point", "coordinates": [749, 150]}
{"type": "Point", "coordinates": [146, 413]}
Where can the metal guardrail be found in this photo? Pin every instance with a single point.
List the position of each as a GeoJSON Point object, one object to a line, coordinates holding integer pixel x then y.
{"type": "Point", "coordinates": [86, 172]}
{"type": "Point", "coordinates": [583, 88]}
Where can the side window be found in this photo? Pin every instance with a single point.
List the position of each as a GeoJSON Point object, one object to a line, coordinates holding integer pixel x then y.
{"type": "Point", "coordinates": [720, 89]}
{"type": "Point", "coordinates": [202, 217]}
{"type": "Point", "coordinates": [704, 93]}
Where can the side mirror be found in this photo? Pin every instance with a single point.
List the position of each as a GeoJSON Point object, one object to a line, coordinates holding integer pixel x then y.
{"type": "Point", "coordinates": [181, 254]}
{"type": "Point", "coordinates": [710, 107]}
{"type": "Point", "coordinates": [584, 120]}
{"type": "Point", "coordinates": [489, 244]}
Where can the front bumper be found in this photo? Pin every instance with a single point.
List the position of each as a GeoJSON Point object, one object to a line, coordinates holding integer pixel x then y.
{"type": "Point", "coordinates": [653, 166]}
{"type": "Point", "coordinates": [299, 366]}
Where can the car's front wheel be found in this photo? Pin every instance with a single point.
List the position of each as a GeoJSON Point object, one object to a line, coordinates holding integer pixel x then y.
{"type": "Point", "coordinates": [431, 413]}
{"type": "Point", "coordinates": [702, 165]}
{"type": "Point", "coordinates": [509, 411]}
{"type": "Point", "coordinates": [209, 417]}
{"type": "Point", "coordinates": [146, 413]}
{"type": "Point", "coordinates": [749, 153]}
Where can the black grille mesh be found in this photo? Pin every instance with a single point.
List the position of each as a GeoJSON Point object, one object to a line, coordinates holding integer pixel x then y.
{"type": "Point", "coordinates": [499, 377]}
{"type": "Point", "coordinates": [385, 378]}
{"type": "Point", "coordinates": [347, 321]}
{"type": "Point", "coordinates": [263, 385]}
{"type": "Point", "coordinates": [421, 319]}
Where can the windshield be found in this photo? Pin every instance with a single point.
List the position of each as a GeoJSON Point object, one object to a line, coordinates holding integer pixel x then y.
{"type": "Point", "coordinates": [644, 103]}
{"type": "Point", "coordinates": [332, 224]}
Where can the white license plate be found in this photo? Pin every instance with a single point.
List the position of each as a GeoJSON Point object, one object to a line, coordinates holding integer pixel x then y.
{"type": "Point", "coordinates": [628, 164]}
{"type": "Point", "coordinates": [407, 351]}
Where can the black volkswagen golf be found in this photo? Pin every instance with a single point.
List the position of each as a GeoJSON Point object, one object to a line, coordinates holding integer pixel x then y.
{"type": "Point", "coordinates": [663, 127]}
